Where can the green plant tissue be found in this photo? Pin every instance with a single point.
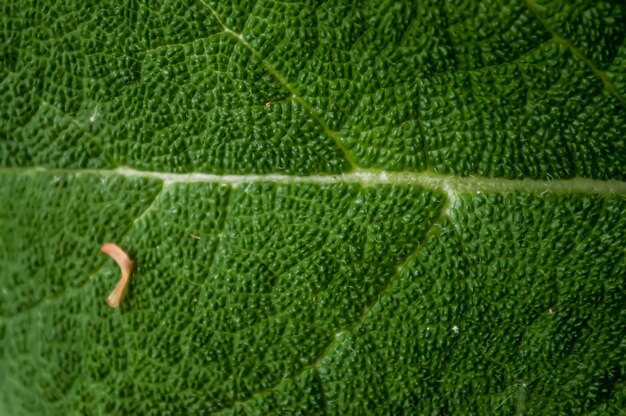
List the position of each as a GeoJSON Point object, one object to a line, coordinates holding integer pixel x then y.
{"type": "Point", "coordinates": [333, 207]}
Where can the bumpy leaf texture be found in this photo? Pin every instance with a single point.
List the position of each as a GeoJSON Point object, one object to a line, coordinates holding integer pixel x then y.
{"type": "Point", "coordinates": [341, 208]}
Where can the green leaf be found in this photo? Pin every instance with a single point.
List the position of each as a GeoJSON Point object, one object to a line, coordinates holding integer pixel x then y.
{"type": "Point", "coordinates": [332, 208]}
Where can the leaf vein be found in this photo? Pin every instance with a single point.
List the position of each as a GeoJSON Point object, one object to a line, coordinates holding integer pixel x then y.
{"type": "Point", "coordinates": [292, 90]}
{"type": "Point", "coordinates": [601, 75]}
{"type": "Point", "coordinates": [316, 363]}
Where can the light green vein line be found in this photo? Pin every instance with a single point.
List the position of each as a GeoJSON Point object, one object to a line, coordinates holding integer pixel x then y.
{"type": "Point", "coordinates": [601, 75]}
{"type": "Point", "coordinates": [450, 184]}
{"type": "Point", "coordinates": [317, 362]}
{"type": "Point", "coordinates": [287, 84]}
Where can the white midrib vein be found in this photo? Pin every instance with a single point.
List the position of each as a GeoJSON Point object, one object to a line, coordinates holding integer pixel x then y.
{"type": "Point", "coordinates": [450, 184]}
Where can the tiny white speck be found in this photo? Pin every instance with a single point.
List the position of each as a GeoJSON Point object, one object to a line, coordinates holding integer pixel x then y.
{"type": "Point", "coordinates": [339, 334]}
{"type": "Point", "coordinates": [294, 96]}
{"type": "Point", "coordinates": [428, 328]}
{"type": "Point", "coordinates": [94, 114]}
{"type": "Point", "coordinates": [455, 329]}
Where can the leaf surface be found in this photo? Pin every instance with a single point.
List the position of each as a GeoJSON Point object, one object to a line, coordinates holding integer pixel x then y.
{"type": "Point", "coordinates": [383, 208]}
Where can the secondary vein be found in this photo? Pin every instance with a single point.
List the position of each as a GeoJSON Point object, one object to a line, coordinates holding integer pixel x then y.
{"type": "Point", "coordinates": [287, 84]}
{"type": "Point", "coordinates": [601, 75]}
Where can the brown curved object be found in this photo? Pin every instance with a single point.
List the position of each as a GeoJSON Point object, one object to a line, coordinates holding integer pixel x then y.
{"type": "Point", "coordinates": [126, 267]}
